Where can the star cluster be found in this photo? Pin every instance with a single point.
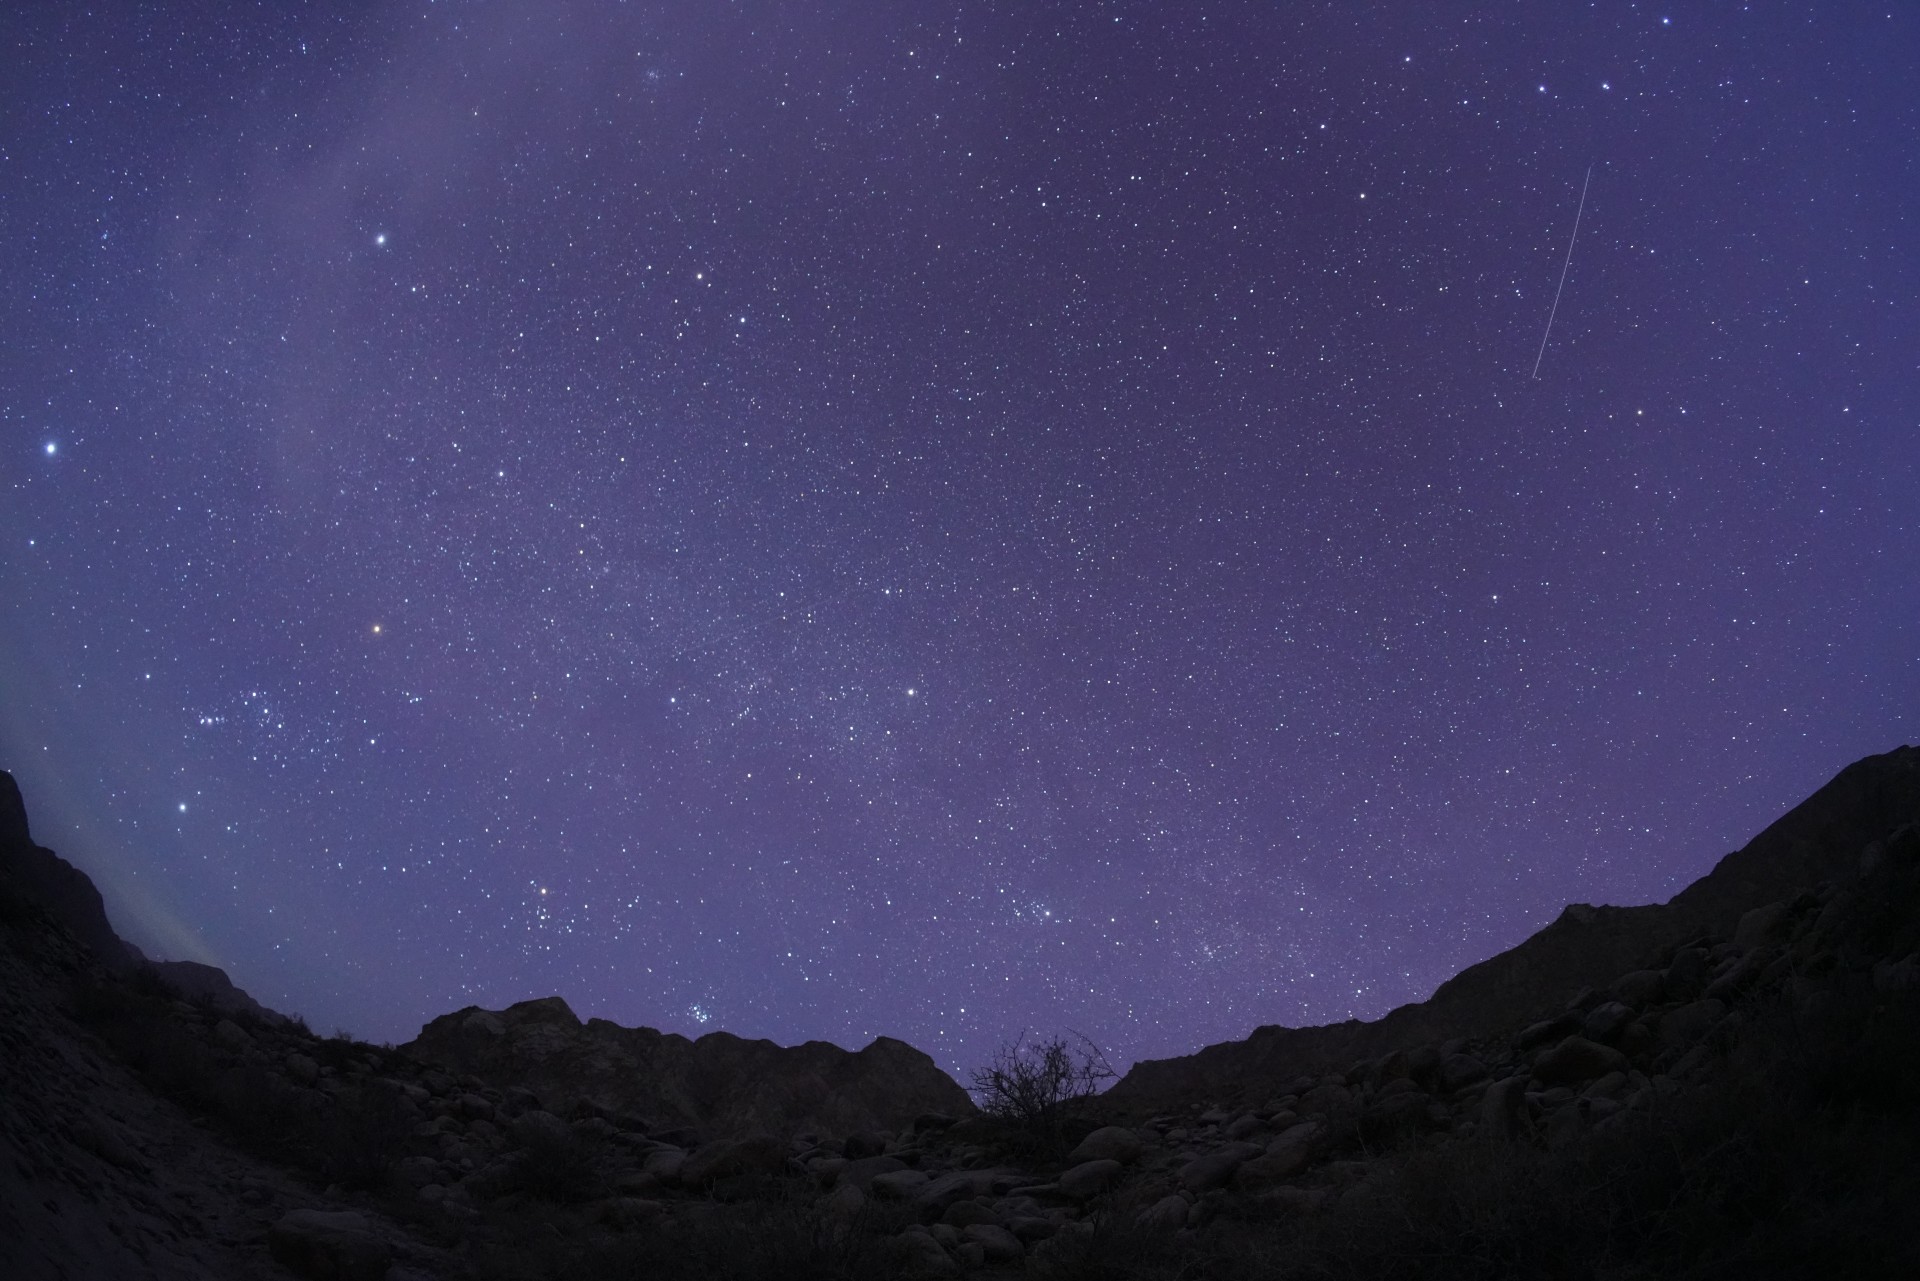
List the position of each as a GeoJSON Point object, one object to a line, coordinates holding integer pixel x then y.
{"type": "Point", "coordinates": [938, 522]}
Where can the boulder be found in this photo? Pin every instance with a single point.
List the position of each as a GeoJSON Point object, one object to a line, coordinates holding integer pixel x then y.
{"type": "Point", "coordinates": [897, 1185]}
{"type": "Point", "coordinates": [1169, 1213]}
{"type": "Point", "coordinates": [1577, 1059]}
{"type": "Point", "coordinates": [1553, 1029]}
{"type": "Point", "coordinates": [1606, 1020]}
{"type": "Point", "coordinates": [664, 1163]}
{"type": "Point", "coordinates": [1108, 1143]}
{"type": "Point", "coordinates": [960, 1185]}
{"type": "Point", "coordinates": [1216, 1169]}
{"type": "Point", "coordinates": [1688, 974]}
{"type": "Point", "coordinates": [1397, 1114]}
{"type": "Point", "coordinates": [922, 1256]}
{"type": "Point", "coordinates": [732, 1158]}
{"type": "Point", "coordinates": [1684, 1025]}
{"type": "Point", "coordinates": [1244, 1127]}
{"type": "Point", "coordinates": [864, 1143]}
{"type": "Point", "coordinates": [844, 1202]}
{"type": "Point", "coordinates": [539, 1129]}
{"type": "Point", "coordinates": [1762, 925]}
{"type": "Point", "coordinates": [1640, 987]}
{"type": "Point", "coordinates": [1089, 1179]}
{"type": "Point", "coordinates": [862, 1172]}
{"type": "Point", "coordinates": [964, 1214]}
{"type": "Point", "coordinates": [230, 1036]}
{"type": "Point", "coordinates": [337, 1245]}
{"type": "Point", "coordinates": [1503, 1109]}
{"type": "Point", "coordinates": [1457, 1072]}
{"type": "Point", "coordinates": [627, 1213]}
{"type": "Point", "coordinates": [995, 1242]}
{"type": "Point", "coordinates": [1297, 1142]}
{"type": "Point", "coordinates": [1741, 975]}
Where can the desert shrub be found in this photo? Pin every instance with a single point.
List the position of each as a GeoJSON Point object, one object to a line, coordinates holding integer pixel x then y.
{"type": "Point", "coordinates": [1038, 1085]}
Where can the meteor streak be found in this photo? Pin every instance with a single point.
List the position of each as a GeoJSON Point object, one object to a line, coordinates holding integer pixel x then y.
{"type": "Point", "coordinates": [1552, 312]}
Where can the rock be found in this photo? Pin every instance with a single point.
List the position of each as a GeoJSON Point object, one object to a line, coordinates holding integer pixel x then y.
{"type": "Point", "coordinates": [934, 1123]}
{"type": "Point", "coordinates": [731, 1158]}
{"type": "Point", "coordinates": [1457, 1072]}
{"type": "Point", "coordinates": [1503, 1109]}
{"type": "Point", "coordinates": [960, 1185]}
{"type": "Point", "coordinates": [718, 1084]}
{"type": "Point", "coordinates": [1640, 988]}
{"type": "Point", "coordinates": [1032, 1228]}
{"type": "Point", "coordinates": [1577, 1059]}
{"type": "Point", "coordinates": [1553, 1029]}
{"type": "Point", "coordinates": [863, 1144]}
{"type": "Point", "coordinates": [302, 1069]}
{"type": "Point", "coordinates": [1762, 925]}
{"type": "Point", "coordinates": [627, 1213]}
{"type": "Point", "coordinates": [1216, 1169]}
{"type": "Point", "coordinates": [539, 1129]}
{"type": "Point", "coordinates": [897, 1185]}
{"type": "Point", "coordinates": [664, 1163]}
{"type": "Point", "coordinates": [1326, 1099]}
{"type": "Point", "coordinates": [844, 1202]}
{"type": "Point", "coordinates": [922, 1256]}
{"type": "Point", "coordinates": [483, 1023]}
{"type": "Point", "coordinates": [1243, 1127]}
{"type": "Point", "coordinates": [1605, 1021]}
{"type": "Point", "coordinates": [1108, 1143]}
{"type": "Point", "coordinates": [1169, 1213]}
{"type": "Point", "coordinates": [1608, 1086]}
{"type": "Point", "coordinates": [1686, 1024]}
{"type": "Point", "coordinates": [1285, 1201]}
{"type": "Point", "coordinates": [1741, 975]}
{"type": "Point", "coordinates": [329, 1246]}
{"type": "Point", "coordinates": [475, 1107]}
{"type": "Point", "coordinates": [1297, 1143]}
{"type": "Point", "coordinates": [1635, 1039]}
{"type": "Point", "coordinates": [1566, 1124]}
{"type": "Point", "coordinates": [638, 1183]}
{"type": "Point", "coordinates": [1897, 976]}
{"type": "Point", "coordinates": [1687, 974]}
{"type": "Point", "coordinates": [1397, 1115]}
{"type": "Point", "coordinates": [1089, 1179]}
{"type": "Point", "coordinates": [862, 1172]}
{"type": "Point", "coordinates": [998, 1244]}
{"type": "Point", "coordinates": [230, 1036]}
{"type": "Point", "coordinates": [963, 1214]}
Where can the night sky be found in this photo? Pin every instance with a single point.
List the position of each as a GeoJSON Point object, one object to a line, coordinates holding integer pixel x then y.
{"type": "Point", "coordinates": [829, 520]}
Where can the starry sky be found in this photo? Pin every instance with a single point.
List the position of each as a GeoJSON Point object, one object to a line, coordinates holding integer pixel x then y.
{"type": "Point", "coordinates": [829, 520]}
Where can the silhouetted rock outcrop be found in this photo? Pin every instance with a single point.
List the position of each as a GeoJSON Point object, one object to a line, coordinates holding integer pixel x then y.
{"type": "Point", "coordinates": [62, 890]}
{"type": "Point", "coordinates": [1817, 841]}
{"type": "Point", "coordinates": [719, 1082]}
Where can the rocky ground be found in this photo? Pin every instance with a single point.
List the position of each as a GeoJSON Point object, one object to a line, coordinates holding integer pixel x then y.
{"type": "Point", "coordinates": [1737, 1103]}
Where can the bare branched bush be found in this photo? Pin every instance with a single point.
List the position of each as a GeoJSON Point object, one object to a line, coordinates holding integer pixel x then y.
{"type": "Point", "coordinates": [1038, 1084]}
